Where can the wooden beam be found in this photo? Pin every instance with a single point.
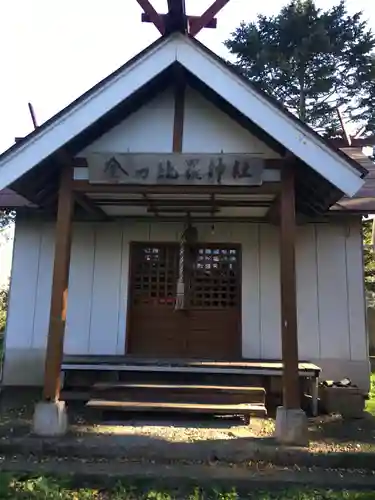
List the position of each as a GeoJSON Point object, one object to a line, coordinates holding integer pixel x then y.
{"type": "Point", "coordinates": [183, 210]}
{"type": "Point", "coordinates": [181, 218]}
{"type": "Point", "coordinates": [87, 187]}
{"type": "Point", "coordinates": [179, 111]}
{"type": "Point", "coordinates": [176, 18]}
{"type": "Point", "coordinates": [211, 24]}
{"type": "Point", "coordinates": [207, 16]}
{"type": "Point", "coordinates": [89, 206]}
{"type": "Point", "coordinates": [50, 202]}
{"type": "Point", "coordinates": [181, 203]}
{"type": "Point", "coordinates": [153, 15]}
{"type": "Point", "coordinates": [59, 295]}
{"type": "Point", "coordinates": [273, 214]}
{"type": "Point", "coordinates": [190, 19]}
{"type": "Point", "coordinates": [291, 395]}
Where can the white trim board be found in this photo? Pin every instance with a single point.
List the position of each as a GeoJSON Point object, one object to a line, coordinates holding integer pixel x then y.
{"type": "Point", "coordinates": [86, 112]}
{"type": "Point", "coordinates": [215, 75]}
{"type": "Point", "coordinates": [270, 118]}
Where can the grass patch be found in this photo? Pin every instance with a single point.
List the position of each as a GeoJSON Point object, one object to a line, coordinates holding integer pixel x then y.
{"type": "Point", "coordinates": [46, 488]}
{"type": "Point", "coordinates": [370, 405]}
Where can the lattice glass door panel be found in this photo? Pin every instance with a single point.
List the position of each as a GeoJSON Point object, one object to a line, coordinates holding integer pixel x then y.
{"type": "Point", "coordinates": [215, 277]}
{"type": "Point", "coordinates": [155, 274]}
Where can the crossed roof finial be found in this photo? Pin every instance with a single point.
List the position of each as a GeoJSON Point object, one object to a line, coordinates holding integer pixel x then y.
{"type": "Point", "coordinates": [176, 20]}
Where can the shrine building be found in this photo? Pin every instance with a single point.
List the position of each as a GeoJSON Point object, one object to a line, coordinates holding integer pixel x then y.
{"type": "Point", "coordinates": [176, 220]}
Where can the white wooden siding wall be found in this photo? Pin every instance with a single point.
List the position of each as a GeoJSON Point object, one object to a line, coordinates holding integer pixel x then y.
{"type": "Point", "coordinates": [206, 130]}
{"type": "Point", "coordinates": [328, 259]}
{"type": "Point", "coordinates": [329, 282]}
{"type": "Point", "coordinates": [101, 276]}
{"type": "Point", "coordinates": [30, 286]}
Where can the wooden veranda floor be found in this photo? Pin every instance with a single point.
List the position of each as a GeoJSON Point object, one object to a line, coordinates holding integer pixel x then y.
{"type": "Point", "coordinates": [123, 363]}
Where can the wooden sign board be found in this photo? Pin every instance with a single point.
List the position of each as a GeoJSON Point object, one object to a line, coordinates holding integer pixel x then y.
{"type": "Point", "coordinates": [175, 169]}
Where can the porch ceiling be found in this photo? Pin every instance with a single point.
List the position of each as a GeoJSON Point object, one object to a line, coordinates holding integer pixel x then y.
{"type": "Point", "coordinates": [181, 213]}
{"type": "Point", "coordinates": [180, 205]}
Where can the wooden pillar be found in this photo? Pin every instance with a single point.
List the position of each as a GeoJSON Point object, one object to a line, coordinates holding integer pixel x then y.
{"type": "Point", "coordinates": [179, 111]}
{"type": "Point", "coordinates": [289, 334]}
{"type": "Point", "coordinates": [59, 295]}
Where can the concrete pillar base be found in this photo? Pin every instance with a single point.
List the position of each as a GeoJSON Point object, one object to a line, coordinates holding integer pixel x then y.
{"type": "Point", "coordinates": [50, 418]}
{"type": "Point", "coordinates": [291, 427]}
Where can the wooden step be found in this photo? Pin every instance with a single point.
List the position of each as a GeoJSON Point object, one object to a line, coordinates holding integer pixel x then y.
{"type": "Point", "coordinates": [75, 395]}
{"type": "Point", "coordinates": [222, 388]}
{"type": "Point", "coordinates": [86, 379]}
{"type": "Point", "coordinates": [178, 393]}
{"type": "Point", "coordinates": [251, 409]}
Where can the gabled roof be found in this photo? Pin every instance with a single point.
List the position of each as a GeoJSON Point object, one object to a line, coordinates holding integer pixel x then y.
{"type": "Point", "coordinates": [364, 200]}
{"type": "Point", "coordinates": [338, 169]}
{"type": "Point", "coordinates": [10, 199]}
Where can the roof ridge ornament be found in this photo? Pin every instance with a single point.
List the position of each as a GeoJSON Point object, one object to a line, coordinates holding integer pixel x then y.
{"type": "Point", "coordinates": [176, 20]}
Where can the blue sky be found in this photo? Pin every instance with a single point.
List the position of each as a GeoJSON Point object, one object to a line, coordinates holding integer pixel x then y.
{"type": "Point", "coordinates": [54, 50]}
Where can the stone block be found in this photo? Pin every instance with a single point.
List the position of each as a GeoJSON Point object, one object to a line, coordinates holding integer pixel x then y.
{"type": "Point", "coordinates": [50, 419]}
{"type": "Point", "coordinates": [291, 427]}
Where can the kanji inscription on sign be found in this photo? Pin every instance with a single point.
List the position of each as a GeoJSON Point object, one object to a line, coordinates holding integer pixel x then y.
{"type": "Point", "coordinates": [175, 169]}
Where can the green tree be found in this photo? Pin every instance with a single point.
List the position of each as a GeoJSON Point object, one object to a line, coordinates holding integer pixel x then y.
{"type": "Point", "coordinates": [4, 296]}
{"type": "Point", "coordinates": [368, 258]}
{"type": "Point", "coordinates": [311, 60]}
{"type": "Point", "coordinates": [6, 218]}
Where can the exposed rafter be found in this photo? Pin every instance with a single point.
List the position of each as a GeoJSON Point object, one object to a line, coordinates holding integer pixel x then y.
{"type": "Point", "coordinates": [89, 206]}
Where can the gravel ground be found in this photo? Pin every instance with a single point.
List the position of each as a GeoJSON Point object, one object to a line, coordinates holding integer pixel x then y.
{"type": "Point", "coordinates": [180, 431]}
{"type": "Point", "coordinates": [327, 433]}
{"type": "Point", "coordinates": [331, 433]}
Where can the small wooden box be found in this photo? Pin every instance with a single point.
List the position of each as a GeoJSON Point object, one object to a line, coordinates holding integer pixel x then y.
{"type": "Point", "coordinates": [347, 401]}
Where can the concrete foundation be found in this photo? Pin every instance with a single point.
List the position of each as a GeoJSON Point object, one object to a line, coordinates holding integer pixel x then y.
{"type": "Point", "coordinates": [291, 427]}
{"type": "Point", "coordinates": [50, 419]}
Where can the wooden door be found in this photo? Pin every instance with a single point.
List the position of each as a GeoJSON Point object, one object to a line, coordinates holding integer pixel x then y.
{"type": "Point", "coordinates": [214, 302]}
{"type": "Point", "coordinates": [210, 326]}
{"type": "Point", "coordinates": [155, 329]}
